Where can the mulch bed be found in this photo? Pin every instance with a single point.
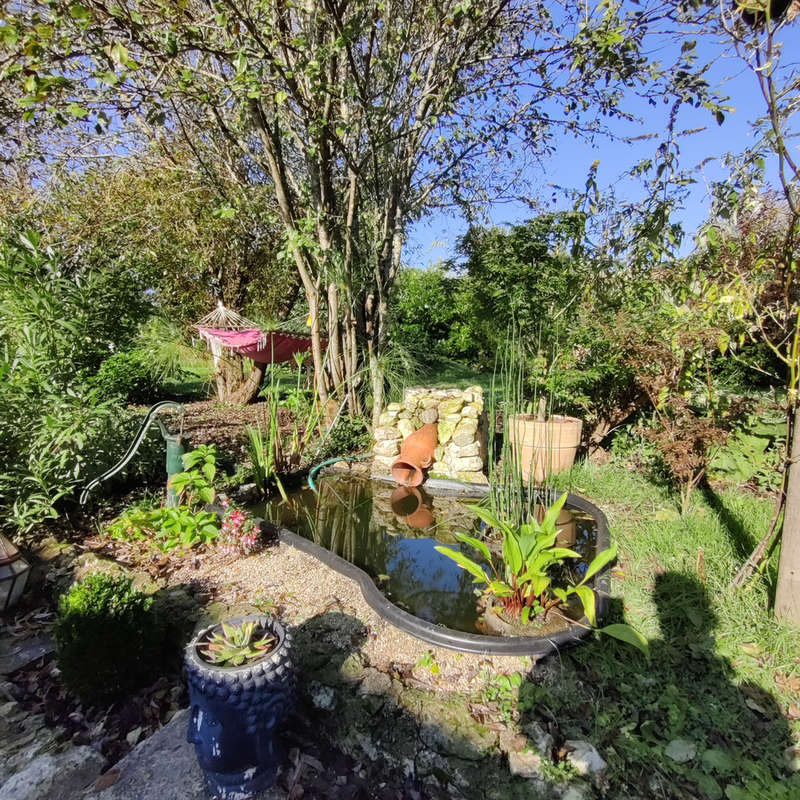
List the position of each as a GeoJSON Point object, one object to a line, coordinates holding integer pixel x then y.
{"type": "Point", "coordinates": [211, 422]}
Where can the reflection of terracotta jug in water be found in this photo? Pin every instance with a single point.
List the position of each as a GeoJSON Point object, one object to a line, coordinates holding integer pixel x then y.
{"type": "Point", "coordinates": [416, 454]}
{"type": "Point", "coordinates": [565, 525]}
{"type": "Point", "coordinates": [408, 504]}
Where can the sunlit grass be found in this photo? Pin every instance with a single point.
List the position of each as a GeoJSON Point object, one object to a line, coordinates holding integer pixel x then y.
{"type": "Point", "coordinates": [722, 666]}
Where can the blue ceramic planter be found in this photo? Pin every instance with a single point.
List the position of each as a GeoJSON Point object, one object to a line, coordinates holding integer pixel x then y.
{"type": "Point", "coordinates": [235, 714]}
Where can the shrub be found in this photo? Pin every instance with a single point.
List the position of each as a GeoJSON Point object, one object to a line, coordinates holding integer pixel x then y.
{"type": "Point", "coordinates": [57, 324]}
{"type": "Point", "coordinates": [350, 435]}
{"type": "Point", "coordinates": [109, 640]}
{"type": "Point", "coordinates": [129, 376]}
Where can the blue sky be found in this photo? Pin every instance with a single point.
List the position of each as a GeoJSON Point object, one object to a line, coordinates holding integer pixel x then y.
{"type": "Point", "coordinates": [434, 238]}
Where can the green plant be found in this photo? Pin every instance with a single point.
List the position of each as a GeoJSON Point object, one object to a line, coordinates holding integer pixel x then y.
{"type": "Point", "coordinates": [523, 582]}
{"type": "Point", "coordinates": [167, 528]}
{"type": "Point", "coordinates": [196, 484]}
{"type": "Point", "coordinates": [237, 644]}
{"type": "Point", "coordinates": [523, 579]}
{"type": "Point", "coordinates": [129, 376]}
{"type": "Point", "coordinates": [58, 322]}
{"type": "Point", "coordinates": [427, 660]}
{"type": "Point", "coordinates": [109, 640]}
{"type": "Point", "coordinates": [503, 690]}
{"type": "Point", "coordinates": [349, 435]}
{"type": "Point", "coordinates": [754, 453]}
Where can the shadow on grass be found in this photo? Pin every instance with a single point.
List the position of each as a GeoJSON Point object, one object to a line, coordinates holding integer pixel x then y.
{"type": "Point", "coordinates": [676, 726]}
{"type": "Point", "coordinates": [741, 539]}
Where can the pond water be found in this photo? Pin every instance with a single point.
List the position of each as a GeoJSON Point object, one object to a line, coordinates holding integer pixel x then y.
{"type": "Point", "coordinates": [391, 533]}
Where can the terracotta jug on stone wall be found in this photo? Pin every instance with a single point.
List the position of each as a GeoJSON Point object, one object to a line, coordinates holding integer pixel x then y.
{"type": "Point", "coordinates": [416, 454]}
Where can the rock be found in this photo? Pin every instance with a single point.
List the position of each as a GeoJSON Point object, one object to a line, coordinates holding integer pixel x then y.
{"type": "Point", "coordinates": [792, 756]}
{"type": "Point", "coordinates": [375, 682]}
{"type": "Point", "coordinates": [429, 416]}
{"type": "Point", "coordinates": [383, 462]}
{"type": "Point", "coordinates": [453, 406]}
{"type": "Point", "coordinates": [470, 412]}
{"type": "Point", "coordinates": [584, 757]}
{"type": "Point", "coordinates": [538, 737]}
{"type": "Point", "coordinates": [445, 431]}
{"type": "Point", "coordinates": [386, 433]}
{"type": "Point", "coordinates": [406, 427]}
{"type": "Point", "coordinates": [472, 464]}
{"type": "Point", "coordinates": [247, 494]}
{"type": "Point", "coordinates": [472, 477]}
{"type": "Point", "coordinates": [681, 750]}
{"type": "Point", "coordinates": [90, 563]}
{"type": "Point", "coordinates": [525, 763]}
{"type": "Point", "coordinates": [389, 448]}
{"type": "Point", "coordinates": [577, 792]}
{"type": "Point", "coordinates": [465, 451]}
{"type": "Point", "coordinates": [394, 408]}
{"type": "Point", "coordinates": [387, 419]}
{"type": "Point", "coordinates": [17, 653]}
{"type": "Point", "coordinates": [62, 776]}
{"type": "Point", "coordinates": [429, 402]}
{"type": "Point", "coordinates": [466, 425]}
{"type": "Point", "coordinates": [322, 696]}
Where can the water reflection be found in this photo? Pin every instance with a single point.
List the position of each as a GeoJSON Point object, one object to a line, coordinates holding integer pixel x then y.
{"type": "Point", "coordinates": [391, 534]}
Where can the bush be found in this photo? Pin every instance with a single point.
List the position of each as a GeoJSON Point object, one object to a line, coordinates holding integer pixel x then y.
{"type": "Point", "coordinates": [129, 377]}
{"type": "Point", "coordinates": [57, 324]}
{"type": "Point", "coordinates": [350, 435]}
{"type": "Point", "coordinates": [109, 640]}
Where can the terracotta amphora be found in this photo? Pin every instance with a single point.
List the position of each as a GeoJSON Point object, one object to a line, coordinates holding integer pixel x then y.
{"type": "Point", "coordinates": [409, 505]}
{"type": "Point", "coordinates": [416, 454]}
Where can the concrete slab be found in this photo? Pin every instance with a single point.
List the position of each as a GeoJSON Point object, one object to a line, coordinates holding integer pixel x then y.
{"type": "Point", "coordinates": [18, 653]}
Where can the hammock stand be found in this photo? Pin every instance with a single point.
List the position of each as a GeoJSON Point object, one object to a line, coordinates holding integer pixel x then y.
{"type": "Point", "coordinates": [224, 329]}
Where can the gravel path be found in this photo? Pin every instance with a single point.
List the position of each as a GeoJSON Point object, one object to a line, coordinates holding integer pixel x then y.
{"type": "Point", "coordinates": [303, 587]}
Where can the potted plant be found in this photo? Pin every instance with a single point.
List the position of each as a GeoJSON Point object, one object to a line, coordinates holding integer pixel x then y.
{"type": "Point", "coordinates": [543, 446]}
{"type": "Point", "coordinates": [521, 588]}
{"type": "Point", "coordinates": [241, 688]}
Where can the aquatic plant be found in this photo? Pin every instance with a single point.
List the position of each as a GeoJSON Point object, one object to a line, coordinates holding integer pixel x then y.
{"type": "Point", "coordinates": [522, 578]}
{"type": "Point", "coordinates": [523, 581]}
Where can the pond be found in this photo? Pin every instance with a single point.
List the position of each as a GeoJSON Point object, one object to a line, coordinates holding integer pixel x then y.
{"type": "Point", "coordinates": [390, 533]}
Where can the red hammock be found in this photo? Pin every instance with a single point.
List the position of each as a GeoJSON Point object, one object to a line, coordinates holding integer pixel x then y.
{"type": "Point", "coordinates": [263, 348]}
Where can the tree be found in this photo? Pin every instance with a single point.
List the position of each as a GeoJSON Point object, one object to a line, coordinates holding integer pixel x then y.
{"type": "Point", "coordinates": [762, 262]}
{"type": "Point", "coordinates": [181, 231]}
{"type": "Point", "coordinates": [363, 114]}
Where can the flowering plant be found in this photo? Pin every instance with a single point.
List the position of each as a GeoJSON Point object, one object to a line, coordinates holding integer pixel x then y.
{"type": "Point", "coordinates": [240, 533]}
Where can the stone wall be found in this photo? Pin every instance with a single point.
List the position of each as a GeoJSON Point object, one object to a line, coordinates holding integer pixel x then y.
{"type": "Point", "coordinates": [463, 432]}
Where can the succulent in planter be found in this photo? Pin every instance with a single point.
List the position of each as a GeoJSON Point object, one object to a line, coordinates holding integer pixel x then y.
{"type": "Point", "coordinates": [237, 708]}
{"type": "Point", "coordinates": [522, 577]}
{"type": "Point", "coordinates": [237, 644]}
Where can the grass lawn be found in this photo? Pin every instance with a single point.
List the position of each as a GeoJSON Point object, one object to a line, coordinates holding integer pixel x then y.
{"type": "Point", "coordinates": [711, 714]}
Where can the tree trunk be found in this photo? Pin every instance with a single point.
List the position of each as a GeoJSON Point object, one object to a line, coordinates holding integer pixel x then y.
{"type": "Point", "coordinates": [232, 385]}
{"type": "Point", "coordinates": [787, 597]}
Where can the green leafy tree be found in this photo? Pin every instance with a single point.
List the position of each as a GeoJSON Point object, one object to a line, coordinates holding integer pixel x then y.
{"type": "Point", "coordinates": [363, 115]}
